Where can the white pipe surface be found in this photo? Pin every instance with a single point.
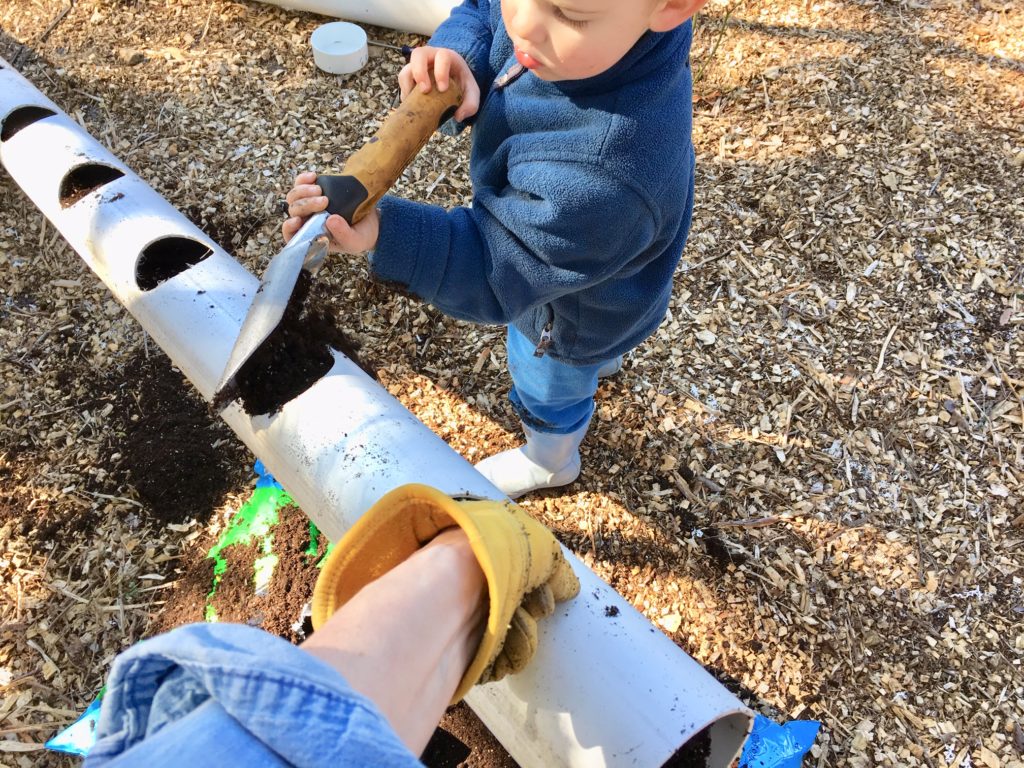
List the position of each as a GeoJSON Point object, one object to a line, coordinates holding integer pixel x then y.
{"type": "Point", "coordinates": [419, 16]}
{"type": "Point", "coordinates": [602, 690]}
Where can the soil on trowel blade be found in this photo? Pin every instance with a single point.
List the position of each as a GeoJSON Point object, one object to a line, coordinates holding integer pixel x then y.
{"type": "Point", "coordinates": [296, 355]}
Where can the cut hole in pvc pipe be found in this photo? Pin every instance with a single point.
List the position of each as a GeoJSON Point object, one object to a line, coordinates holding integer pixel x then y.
{"type": "Point", "coordinates": [80, 181]}
{"type": "Point", "coordinates": [164, 258]}
{"type": "Point", "coordinates": [297, 354]}
{"type": "Point", "coordinates": [22, 118]}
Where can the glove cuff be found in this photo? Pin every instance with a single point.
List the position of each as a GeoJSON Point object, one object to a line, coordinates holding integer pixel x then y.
{"type": "Point", "coordinates": [408, 517]}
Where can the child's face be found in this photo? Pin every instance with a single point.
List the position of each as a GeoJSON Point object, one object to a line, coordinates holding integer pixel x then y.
{"type": "Point", "coordinates": [576, 39]}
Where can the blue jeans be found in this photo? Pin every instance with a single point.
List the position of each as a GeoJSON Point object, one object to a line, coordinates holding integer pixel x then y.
{"type": "Point", "coordinates": [548, 395]}
{"type": "Point", "coordinates": [229, 694]}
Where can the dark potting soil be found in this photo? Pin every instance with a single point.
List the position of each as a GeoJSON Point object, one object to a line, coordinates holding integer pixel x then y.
{"type": "Point", "coordinates": [694, 753]}
{"type": "Point", "coordinates": [185, 599]}
{"type": "Point", "coordinates": [180, 460]}
{"type": "Point", "coordinates": [297, 354]}
{"type": "Point", "coordinates": [444, 751]}
{"type": "Point", "coordinates": [157, 436]}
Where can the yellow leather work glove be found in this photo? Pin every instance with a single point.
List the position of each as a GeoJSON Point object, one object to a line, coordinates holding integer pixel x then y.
{"type": "Point", "coordinates": [523, 563]}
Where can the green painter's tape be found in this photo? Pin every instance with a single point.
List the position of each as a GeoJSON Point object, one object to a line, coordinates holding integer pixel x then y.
{"type": "Point", "coordinates": [314, 540]}
{"type": "Point", "coordinates": [314, 545]}
{"type": "Point", "coordinates": [327, 553]}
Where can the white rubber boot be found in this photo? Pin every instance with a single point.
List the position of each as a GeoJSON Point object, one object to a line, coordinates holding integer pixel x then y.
{"type": "Point", "coordinates": [546, 461]}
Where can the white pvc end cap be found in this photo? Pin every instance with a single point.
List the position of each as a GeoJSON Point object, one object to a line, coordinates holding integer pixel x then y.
{"type": "Point", "coordinates": [339, 47]}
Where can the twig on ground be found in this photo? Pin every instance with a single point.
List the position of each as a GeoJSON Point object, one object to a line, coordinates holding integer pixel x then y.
{"type": "Point", "coordinates": [757, 522]}
{"type": "Point", "coordinates": [885, 346]}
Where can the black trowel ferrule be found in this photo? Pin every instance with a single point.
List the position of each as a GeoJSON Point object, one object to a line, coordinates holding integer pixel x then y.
{"type": "Point", "coordinates": [344, 194]}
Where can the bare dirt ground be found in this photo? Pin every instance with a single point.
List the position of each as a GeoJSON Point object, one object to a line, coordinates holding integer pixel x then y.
{"type": "Point", "coordinates": [810, 478]}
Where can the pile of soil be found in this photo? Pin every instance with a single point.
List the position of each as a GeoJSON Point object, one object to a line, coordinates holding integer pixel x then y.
{"type": "Point", "coordinates": [167, 445]}
{"type": "Point", "coordinates": [278, 607]}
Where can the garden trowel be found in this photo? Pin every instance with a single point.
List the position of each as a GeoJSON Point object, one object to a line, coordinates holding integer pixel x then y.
{"type": "Point", "coordinates": [367, 175]}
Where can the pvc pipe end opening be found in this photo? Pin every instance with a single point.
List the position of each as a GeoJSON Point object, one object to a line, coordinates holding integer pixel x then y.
{"type": "Point", "coordinates": [169, 256]}
{"type": "Point", "coordinates": [717, 745]}
{"type": "Point", "coordinates": [22, 118]}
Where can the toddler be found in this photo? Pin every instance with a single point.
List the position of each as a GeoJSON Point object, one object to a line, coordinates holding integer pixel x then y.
{"type": "Point", "coordinates": [582, 171]}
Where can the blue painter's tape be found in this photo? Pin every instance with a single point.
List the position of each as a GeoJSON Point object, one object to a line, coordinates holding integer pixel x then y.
{"type": "Point", "coordinates": [778, 746]}
{"type": "Point", "coordinates": [78, 738]}
{"type": "Point", "coordinates": [264, 479]}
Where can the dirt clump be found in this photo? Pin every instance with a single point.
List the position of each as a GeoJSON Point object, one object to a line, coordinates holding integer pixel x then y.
{"type": "Point", "coordinates": [295, 575]}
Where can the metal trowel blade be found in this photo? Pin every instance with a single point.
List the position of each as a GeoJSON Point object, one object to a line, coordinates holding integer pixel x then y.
{"type": "Point", "coordinates": [306, 251]}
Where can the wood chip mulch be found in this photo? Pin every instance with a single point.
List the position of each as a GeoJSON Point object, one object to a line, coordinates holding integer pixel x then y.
{"type": "Point", "coordinates": [810, 478]}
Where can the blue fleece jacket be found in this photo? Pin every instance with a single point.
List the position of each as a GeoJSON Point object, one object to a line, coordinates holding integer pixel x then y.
{"type": "Point", "coordinates": [582, 196]}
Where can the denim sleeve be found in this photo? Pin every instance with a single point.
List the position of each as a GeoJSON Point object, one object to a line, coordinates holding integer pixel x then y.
{"type": "Point", "coordinates": [229, 694]}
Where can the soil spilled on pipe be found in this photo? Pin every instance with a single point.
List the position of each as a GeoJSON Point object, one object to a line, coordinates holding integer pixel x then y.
{"type": "Point", "coordinates": [297, 354]}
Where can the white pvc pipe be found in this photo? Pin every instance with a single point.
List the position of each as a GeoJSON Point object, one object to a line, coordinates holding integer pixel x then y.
{"type": "Point", "coordinates": [602, 690]}
{"type": "Point", "coordinates": [419, 16]}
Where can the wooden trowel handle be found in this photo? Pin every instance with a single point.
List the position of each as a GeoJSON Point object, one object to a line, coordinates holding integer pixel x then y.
{"type": "Point", "coordinates": [375, 166]}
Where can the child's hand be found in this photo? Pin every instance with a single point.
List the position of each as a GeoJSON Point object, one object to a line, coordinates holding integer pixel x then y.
{"type": "Point", "coordinates": [446, 64]}
{"type": "Point", "coordinates": [306, 198]}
